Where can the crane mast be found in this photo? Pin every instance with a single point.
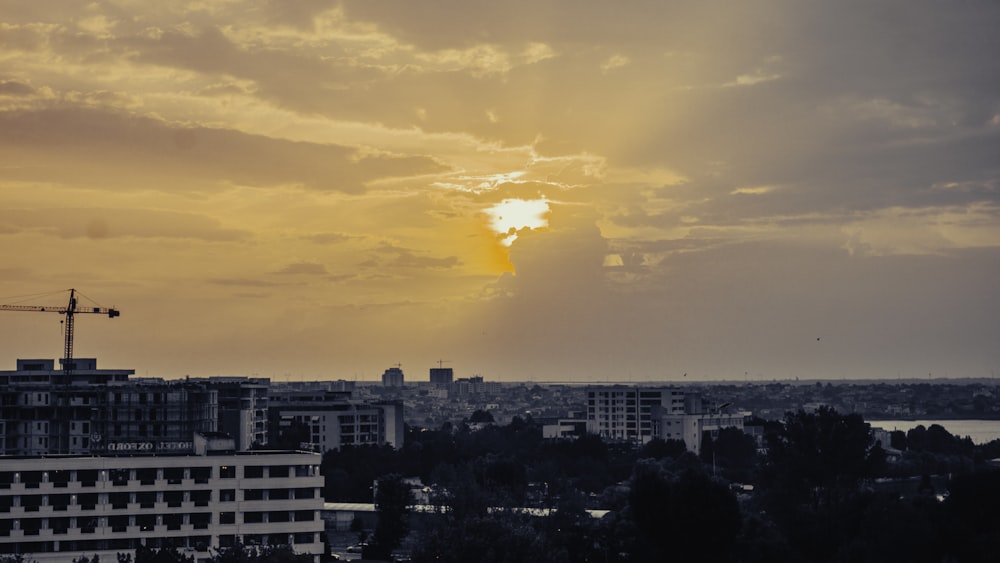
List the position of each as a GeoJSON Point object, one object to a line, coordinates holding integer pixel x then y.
{"type": "Point", "coordinates": [70, 311]}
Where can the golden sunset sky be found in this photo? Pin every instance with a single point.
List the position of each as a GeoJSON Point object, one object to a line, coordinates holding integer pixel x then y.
{"type": "Point", "coordinates": [547, 190]}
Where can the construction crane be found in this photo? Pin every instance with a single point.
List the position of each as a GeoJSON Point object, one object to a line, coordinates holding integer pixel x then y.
{"type": "Point", "coordinates": [70, 310]}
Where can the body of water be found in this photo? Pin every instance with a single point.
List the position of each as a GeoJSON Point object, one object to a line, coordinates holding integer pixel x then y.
{"type": "Point", "coordinates": [980, 431]}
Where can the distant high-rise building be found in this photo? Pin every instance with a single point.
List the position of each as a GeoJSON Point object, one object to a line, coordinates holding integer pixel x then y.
{"type": "Point", "coordinates": [393, 377]}
{"type": "Point", "coordinates": [441, 376]}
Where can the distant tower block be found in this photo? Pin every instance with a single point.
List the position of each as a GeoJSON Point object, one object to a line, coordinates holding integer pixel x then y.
{"type": "Point", "coordinates": [442, 376]}
{"type": "Point", "coordinates": [393, 377]}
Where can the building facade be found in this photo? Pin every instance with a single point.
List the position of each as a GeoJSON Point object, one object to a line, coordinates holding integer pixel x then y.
{"type": "Point", "coordinates": [44, 411]}
{"type": "Point", "coordinates": [53, 509]}
{"type": "Point", "coordinates": [393, 377]}
{"type": "Point", "coordinates": [331, 420]}
{"type": "Point", "coordinates": [690, 428]}
{"type": "Point", "coordinates": [441, 376]}
{"type": "Point", "coordinates": [620, 412]}
{"type": "Point", "coordinates": [242, 409]}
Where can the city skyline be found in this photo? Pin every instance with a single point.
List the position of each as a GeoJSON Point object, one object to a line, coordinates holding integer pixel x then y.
{"type": "Point", "coordinates": [575, 191]}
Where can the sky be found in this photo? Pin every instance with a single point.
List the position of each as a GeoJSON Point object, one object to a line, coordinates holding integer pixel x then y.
{"type": "Point", "coordinates": [558, 190]}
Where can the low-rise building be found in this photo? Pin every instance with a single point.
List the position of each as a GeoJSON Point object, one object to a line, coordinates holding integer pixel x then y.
{"type": "Point", "coordinates": [56, 508]}
{"type": "Point", "coordinates": [330, 420]}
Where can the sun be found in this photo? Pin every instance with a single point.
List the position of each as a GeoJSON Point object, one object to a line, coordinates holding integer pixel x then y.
{"type": "Point", "coordinates": [512, 215]}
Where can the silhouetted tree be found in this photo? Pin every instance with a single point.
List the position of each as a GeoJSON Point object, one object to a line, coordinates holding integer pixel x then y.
{"type": "Point", "coordinates": [480, 416]}
{"type": "Point", "coordinates": [690, 518]}
{"type": "Point", "coordinates": [145, 554]}
{"type": "Point", "coordinates": [392, 501]}
{"type": "Point", "coordinates": [240, 553]}
{"type": "Point", "coordinates": [658, 448]}
{"type": "Point", "coordinates": [972, 513]}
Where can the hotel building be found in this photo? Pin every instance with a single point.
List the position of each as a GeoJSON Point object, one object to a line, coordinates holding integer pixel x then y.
{"type": "Point", "coordinates": [55, 508]}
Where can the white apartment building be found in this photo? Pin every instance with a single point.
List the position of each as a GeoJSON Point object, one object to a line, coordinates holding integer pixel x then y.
{"type": "Point", "coordinates": [56, 508]}
{"type": "Point", "coordinates": [690, 427]}
{"type": "Point", "coordinates": [621, 412]}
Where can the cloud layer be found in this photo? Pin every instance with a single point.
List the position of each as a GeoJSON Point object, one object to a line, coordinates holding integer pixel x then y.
{"type": "Point", "coordinates": [319, 189]}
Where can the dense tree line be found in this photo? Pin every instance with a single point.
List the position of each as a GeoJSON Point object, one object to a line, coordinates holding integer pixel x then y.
{"type": "Point", "coordinates": [824, 492]}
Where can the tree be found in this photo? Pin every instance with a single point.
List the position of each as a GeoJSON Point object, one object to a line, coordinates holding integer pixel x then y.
{"type": "Point", "coordinates": [358, 527]}
{"type": "Point", "coordinates": [687, 518]}
{"type": "Point", "coordinates": [144, 554]}
{"type": "Point", "coordinates": [735, 449]}
{"type": "Point", "coordinates": [392, 502]}
{"type": "Point", "coordinates": [657, 448]}
{"type": "Point", "coordinates": [240, 553]}
{"type": "Point", "coordinates": [820, 456]}
{"type": "Point", "coordinates": [481, 416]}
{"type": "Point", "coordinates": [810, 481]}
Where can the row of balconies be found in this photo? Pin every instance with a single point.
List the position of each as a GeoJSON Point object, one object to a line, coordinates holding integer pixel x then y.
{"type": "Point", "coordinates": [159, 530]}
{"type": "Point", "coordinates": [162, 506]}
{"type": "Point", "coordinates": [135, 485]}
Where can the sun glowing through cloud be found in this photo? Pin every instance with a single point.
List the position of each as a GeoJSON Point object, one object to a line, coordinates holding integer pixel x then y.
{"type": "Point", "coordinates": [512, 215]}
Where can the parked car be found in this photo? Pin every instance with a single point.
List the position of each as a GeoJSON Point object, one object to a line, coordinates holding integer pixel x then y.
{"type": "Point", "coordinates": [356, 548]}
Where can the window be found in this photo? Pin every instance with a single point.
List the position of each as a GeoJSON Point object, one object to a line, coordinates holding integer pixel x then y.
{"type": "Point", "coordinates": [146, 522]}
{"type": "Point", "coordinates": [118, 523]}
{"type": "Point", "coordinates": [253, 517]}
{"type": "Point", "coordinates": [227, 495]}
{"type": "Point", "coordinates": [279, 471]}
{"type": "Point", "coordinates": [305, 537]}
{"type": "Point", "coordinates": [227, 472]}
{"type": "Point", "coordinates": [201, 520]}
{"type": "Point", "coordinates": [279, 494]}
{"type": "Point", "coordinates": [87, 477]}
{"type": "Point", "coordinates": [173, 521]}
{"type": "Point", "coordinates": [87, 501]}
{"type": "Point", "coordinates": [31, 503]}
{"type": "Point", "coordinates": [201, 498]}
{"type": "Point", "coordinates": [59, 502]}
{"type": "Point", "coordinates": [253, 494]}
{"type": "Point", "coordinates": [118, 500]}
{"type": "Point", "coordinates": [227, 518]}
{"type": "Point", "coordinates": [119, 477]}
{"type": "Point", "coordinates": [59, 525]}
{"type": "Point", "coordinates": [146, 475]}
{"type": "Point", "coordinates": [201, 475]}
{"type": "Point", "coordinates": [146, 499]}
{"type": "Point", "coordinates": [59, 477]}
{"type": "Point", "coordinates": [31, 479]}
{"type": "Point", "coordinates": [173, 498]}
{"type": "Point", "coordinates": [173, 475]}
{"type": "Point", "coordinates": [305, 515]}
{"type": "Point", "coordinates": [253, 472]}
